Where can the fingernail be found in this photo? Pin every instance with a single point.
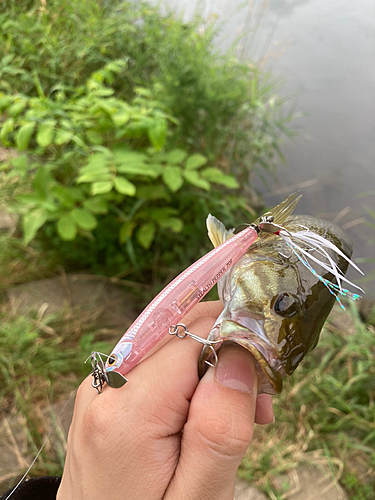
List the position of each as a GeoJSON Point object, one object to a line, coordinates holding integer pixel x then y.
{"type": "Point", "coordinates": [236, 369]}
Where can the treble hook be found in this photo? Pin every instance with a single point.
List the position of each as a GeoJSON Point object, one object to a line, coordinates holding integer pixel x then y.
{"type": "Point", "coordinates": [101, 375]}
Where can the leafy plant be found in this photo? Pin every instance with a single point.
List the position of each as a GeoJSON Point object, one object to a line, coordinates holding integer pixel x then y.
{"type": "Point", "coordinates": [80, 92]}
{"type": "Point", "coordinates": [42, 350]}
{"type": "Point", "coordinates": [84, 162]}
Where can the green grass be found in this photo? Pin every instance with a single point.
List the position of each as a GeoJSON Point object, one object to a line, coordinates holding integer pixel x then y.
{"type": "Point", "coordinates": [20, 263]}
{"type": "Point", "coordinates": [42, 362]}
{"type": "Point", "coordinates": [325, 412]}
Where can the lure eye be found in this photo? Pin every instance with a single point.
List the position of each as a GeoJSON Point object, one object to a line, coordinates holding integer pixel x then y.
{"type": "Point", "coordinates": [287, 304]}
{"type": "Point", "coordinates": [112, 359]}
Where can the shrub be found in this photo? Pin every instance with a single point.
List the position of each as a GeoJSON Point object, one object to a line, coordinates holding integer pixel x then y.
{"type": "Point", "coordinates": [129, 129]}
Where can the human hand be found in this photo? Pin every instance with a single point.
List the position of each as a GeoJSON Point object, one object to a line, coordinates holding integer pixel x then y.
{"type": "Point", "coordinates": [165, 434]}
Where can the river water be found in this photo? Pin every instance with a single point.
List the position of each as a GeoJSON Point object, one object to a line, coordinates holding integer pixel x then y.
{"type": "Point", "coordinates": [324, 52]}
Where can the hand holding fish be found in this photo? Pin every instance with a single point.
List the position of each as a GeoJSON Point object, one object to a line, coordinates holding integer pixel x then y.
{"type": "Point", "coordinates": [129, 443]}
{"type": "Point", "coordinates": [277, 280]}
{"type": "Point", "coordinates": [275, 300]}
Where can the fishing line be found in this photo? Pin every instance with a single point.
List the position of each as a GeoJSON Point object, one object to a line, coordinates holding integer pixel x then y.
{"type": "Point", "coordinates": [41, 448]}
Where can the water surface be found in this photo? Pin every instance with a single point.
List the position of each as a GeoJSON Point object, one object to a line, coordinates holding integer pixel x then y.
{"type": "Point", "coordinates": [325, 52]}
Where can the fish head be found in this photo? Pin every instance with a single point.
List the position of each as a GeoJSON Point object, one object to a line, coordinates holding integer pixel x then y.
{"type": "Point", "coordinates": [274, 306]}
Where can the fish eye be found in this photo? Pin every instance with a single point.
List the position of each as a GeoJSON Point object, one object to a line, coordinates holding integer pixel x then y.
{"type": "Point", "coordinates": [112, 359]}
{"type": "Point", "coordinates": [287, 304]}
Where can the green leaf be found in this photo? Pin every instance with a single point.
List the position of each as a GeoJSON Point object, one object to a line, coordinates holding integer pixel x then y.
{"type": "Point", "coordinates": [23, 136]}
{"type": "Point", "coordinates": [147, 170]}
{"type": "Point", "coordinates": [49, 205]}
{"type": "Point", "coordinates": [217, 176]}
{"type": "Point", "coordinates": [101, 175]}
{"type": "Point", "coordinates": [95, 161]}
{"type": "Point", "coordinates": [108, 106]}
{"type": "Point", "coordinates": [46, 133]}
{"type": "Point", "coordinates": [7, 127]}
{"type": "Point", "coordinates": [77, 140]}
{"type": "Point", "coordinates": [143, 92]}
{"type": "Point", "coordinates": [126, 231]}
{"type": "Point", "coordinates": [101, 187]}
{"type": "Point", "coordinates": [173, 223]}
{"type": "Point", "coordinates": [62, 137]}
{"type": "Point", "coordinates": [19, 162]}
{"type": "Point", "coordinates": [96, 205]}
{"type": "Point", "coordinates": [157, 192]}
{"type": "Point", "coordinates": [83, 219]}
{"type": "Point", "coordinates": [66, 227]}
{"type": "Point", "coordinates": [94, 137]}
{"type": "Point", "coordinates": [103, 92]}
{"type": "Point", "coordinates": [121, 117]}
{"type": "Point", "coordinates": [29, 199]}
{"type": "Point", "coordinates": [123, 155]}
{"type": "Point", "coordinates": [134, 163]}
{"type": "Point", "coordinates": [146, 235]}
{"type": "Point", "coordinates": [7, 59]}
{"type": "Point", "coordinates": [193, 178]}
{"type": "Point", "coordinates": [41, 182]}
{"type": "Point", "coordinates": [195, 161]}
{"type": "Point", "coordinates": [16, 108]}
{"type": "Point", "coordinates": [31, 222]}
{"type": "Point", "coordinates": [158, 157]}
{"type": "Point", "coordinates": [172, 178]}
{"type": "Point", "coordinates": [161, 214]}
{"type": "Point", "coordinates": [5, 102]}
{"type": "Point", "coordinates": [175, 156]}
{"type": "Point", "coordinates": [157, 132]}
{"type": "Point", "coordinates": [123, 186]}
{"type": "Point", "coordinates": [64, 195]}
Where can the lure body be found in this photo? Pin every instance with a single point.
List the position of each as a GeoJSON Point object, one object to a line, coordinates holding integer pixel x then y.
{"type": "Point", "coordinates": [175, 301]}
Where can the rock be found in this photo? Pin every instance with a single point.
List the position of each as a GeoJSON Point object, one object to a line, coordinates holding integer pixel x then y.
{"type": "Point", "coordinates": [244, 491]}
{"type": "Point", "coordinates": [311, 482]}
{"type": "Point", "coordinates": [7, 154]}
{"type": "Point", "coordinates": [8, 222]}
{"type": "Point", "coordinates": [366, 309]}
{"type": "Point", "coordinates": [341, 320]}
{"type": "Point", "coordinates": [116, 307]}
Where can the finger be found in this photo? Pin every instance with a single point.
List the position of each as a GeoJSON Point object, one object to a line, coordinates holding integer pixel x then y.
{"type": "Point", "coordinates": [264, 410]}
{"type": "Point", "coordinates": [219, 429]}
{"type": "Point", "coordinates": [140, 423]}
{"type": "Point", "coordinates": [200, 320]}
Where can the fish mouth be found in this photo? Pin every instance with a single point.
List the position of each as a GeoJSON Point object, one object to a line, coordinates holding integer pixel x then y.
{"type": "Point", "coordinates": [251, 337]}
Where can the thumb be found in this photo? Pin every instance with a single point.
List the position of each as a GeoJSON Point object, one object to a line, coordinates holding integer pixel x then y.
{"type": "Point", "coordinates": [218, 430]}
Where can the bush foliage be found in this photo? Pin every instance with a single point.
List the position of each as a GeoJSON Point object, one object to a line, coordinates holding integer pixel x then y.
{"type": "Point", "coordinates": [129, 128]}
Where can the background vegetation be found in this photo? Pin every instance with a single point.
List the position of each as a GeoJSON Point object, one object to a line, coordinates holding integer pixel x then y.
{"type": "Point", "coordinates": [123, 129]}
{"type": "Point", "coordinates": [129, 129]}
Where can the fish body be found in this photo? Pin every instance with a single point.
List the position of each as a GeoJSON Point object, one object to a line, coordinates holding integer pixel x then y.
{"type": "Point", "coordinates": [274, 305]}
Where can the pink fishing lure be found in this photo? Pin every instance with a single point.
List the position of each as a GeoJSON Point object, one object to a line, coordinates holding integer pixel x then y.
{"type": "Point", "coordinates": [173, 303]}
